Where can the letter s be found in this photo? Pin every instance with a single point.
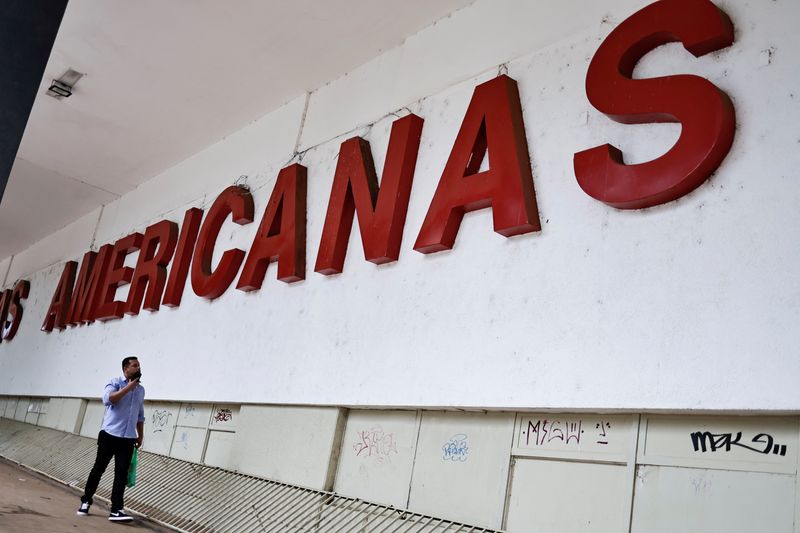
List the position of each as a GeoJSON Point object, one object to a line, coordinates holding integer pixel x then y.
{"type": "Point", "coordinates": [704, 111]}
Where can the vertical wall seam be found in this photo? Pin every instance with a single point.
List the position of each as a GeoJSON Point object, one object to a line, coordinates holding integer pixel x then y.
{"type": "Point", "coordinates": [633, 459]}
{"type": "Point", "coordinates": [512, 461]}
{"type": "Point", "coordinates": [302, 125]}
{"type": "Point", "coordinates": [797, 489]}
{"type": "Point", "coordinates": [414, 460]}
{"type": "Point", "coordinates": [97, 226]}
{"type": "Point", "coordinates": [334, 457]}
{"type": "Point", "coordinates": [8, 269]}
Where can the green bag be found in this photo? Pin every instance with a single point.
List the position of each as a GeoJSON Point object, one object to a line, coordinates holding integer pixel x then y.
{"type": "Point", "coordinates": [132, 470]}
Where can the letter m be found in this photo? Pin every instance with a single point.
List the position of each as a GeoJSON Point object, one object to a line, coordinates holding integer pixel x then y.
{"type": "Point", "coordinates": [703, 440]}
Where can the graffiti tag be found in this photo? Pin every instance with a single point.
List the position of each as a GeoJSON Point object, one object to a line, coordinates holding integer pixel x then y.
{"type": "Point", "coordinates": [456, 449]}
{"type": "Point", "coordinates": [223, 415]}
{"type": "Point", "coordinates": [568, 432]}
{"type": "Point", "coordinates": [375, 443]}
{"type": "Point", "coordinates": [160, 420]}
{"type": "Point", "coordinates": [183, 440]}
{"type": "Point", "coordinates": [705, 441]}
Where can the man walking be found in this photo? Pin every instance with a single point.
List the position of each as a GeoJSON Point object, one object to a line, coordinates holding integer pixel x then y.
{"type": "Point", "coordinates": [122, 431]}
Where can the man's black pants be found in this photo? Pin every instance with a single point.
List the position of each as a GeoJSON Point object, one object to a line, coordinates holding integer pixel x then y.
{"type": "Point", "coordinates": [122, 450]}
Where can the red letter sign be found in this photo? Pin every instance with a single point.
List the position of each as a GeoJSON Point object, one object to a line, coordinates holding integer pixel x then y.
{"type": "Point", "coordinates": [56, 316]}
{"type": "Point", "coordinates": [80, 303]}
{"type": "Point", "coordinates": [5, 303]}
{"type": "Point", "coordinates": [282, 233]}
{"type": "Point", "coordinates": [183, 257]}
{"type": "Point", "coordinates": [381, 212]}
{"type": "Point", "coordinates": [705, 112]}
{"type": "Point", "coordinates": [151, 267]}
{"type": "Point", "coordinates": [15, 310]}
{"type": "Point", "coordinates": [493, 122]}
{"type": "Point", "coordinates": [86, 296]}
{"type": "Point", "coordinates": [238, 202]}
{"type": "Point", "coordinates": [118, 275]}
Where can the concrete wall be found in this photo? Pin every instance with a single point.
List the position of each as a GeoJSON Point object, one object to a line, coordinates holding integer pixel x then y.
{"type": "Point", "coordinates": [538, 472]}
{"type": "Point", "coordinates": [686, 306]}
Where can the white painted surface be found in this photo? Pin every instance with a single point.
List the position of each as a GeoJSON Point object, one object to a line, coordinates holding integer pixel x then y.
{"type": "Point", "coordinates": [92, 419]}
{"type": "Point", "coordinates": [5, 264]}
{"type": "Point", "coordinates": [461, 466]}
{"type": "Point", "coordinates": [72, 413]}
{"type": "Point", "coordinates": [599, 437]}
{"type": "Point", "coordinates": [34, 410]}
{"type": "Point", "coordinates": [22, 409]}
{"type": "Point", "coordinates": [224, 417]}
{"type": "Point", "coordinates": [195, 415]}
{"type": "Point", "coordinates": [201, 71]}
{"type": "Point", "coordinates": [565, 497]}
{"type": "Point", "coordinates": [65, 414]}
{"type": "Point", "coordinates": [732, 443]}
{"type": "Point", "coordinates": [188, 444]}
{"type": "Point", "coordinates": [672, 499]}
{"type": "Point", "coordinates": [289, 444]}
{"type": "Point", "coordinates": [11, 407]}
{"type": "Point", "coordinates": [159, 426]}
{"type": "Point", "coordinates": [252, 151]}
{"type": "Point", "coordinates": [219, 451]}
{"type": "Point", "coordinates": [463, 45]}
{"type": "Point", "coordinates": [377, 456]}
{"type": "Point", "coordinates": [54, 409]}
{"type": "Point", "coordinates": [68, 243]}
{"type": "Point", "coordinates": [560, 319]}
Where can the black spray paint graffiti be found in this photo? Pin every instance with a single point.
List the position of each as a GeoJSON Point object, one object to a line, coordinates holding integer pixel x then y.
{"type": "Point", "coordinates": [223, 415]}
{"type": "Point", "coordinates": [704, 441]}
{"type": "Point", "coordinates": [160, 420]}
{"type": "Point", "coordinates": [544, 431]}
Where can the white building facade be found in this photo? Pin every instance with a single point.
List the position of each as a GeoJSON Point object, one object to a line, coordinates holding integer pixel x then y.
{"type": "Point", "coordinates": [612, 369]}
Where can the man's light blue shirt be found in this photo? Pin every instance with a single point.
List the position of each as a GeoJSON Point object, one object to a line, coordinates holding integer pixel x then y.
{"type": "Point", "coordinates": [121, 418]}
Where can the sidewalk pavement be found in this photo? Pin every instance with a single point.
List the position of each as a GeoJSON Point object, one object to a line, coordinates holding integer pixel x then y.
{"type": "Point", "coordinates": [30, 502]}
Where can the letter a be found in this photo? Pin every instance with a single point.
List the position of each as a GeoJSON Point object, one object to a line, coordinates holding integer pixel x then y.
{"type": "Point", "coordinates": [493, 122]}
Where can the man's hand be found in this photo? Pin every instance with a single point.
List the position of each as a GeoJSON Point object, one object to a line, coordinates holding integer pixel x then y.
{"type": "Point", "coordinates": [140, 433]}
{"type": "Point", "coordinates": [114, 397]}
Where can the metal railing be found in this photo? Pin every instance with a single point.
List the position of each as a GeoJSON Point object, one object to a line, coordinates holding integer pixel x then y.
{"type": "Point", "coordinates": [195, 498]}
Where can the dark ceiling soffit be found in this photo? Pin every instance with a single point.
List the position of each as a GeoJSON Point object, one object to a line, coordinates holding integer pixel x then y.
{"type": "Point", "coordinates": [28, 29]}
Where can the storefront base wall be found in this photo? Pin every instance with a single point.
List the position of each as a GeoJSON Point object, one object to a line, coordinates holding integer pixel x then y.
{"type": "Point", "coordinates": [537, 472]}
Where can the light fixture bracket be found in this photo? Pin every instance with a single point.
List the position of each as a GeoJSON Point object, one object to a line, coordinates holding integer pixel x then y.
{"type": "Point", "coordinates": [62, 87]}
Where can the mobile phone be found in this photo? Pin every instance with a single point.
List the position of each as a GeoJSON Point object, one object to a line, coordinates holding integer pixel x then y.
{"type": "Point", "coordinates": [137, 375]}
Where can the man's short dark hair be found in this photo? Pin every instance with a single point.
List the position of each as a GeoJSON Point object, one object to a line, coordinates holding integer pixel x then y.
{"type": "Point", "coordinates": [127, 361]}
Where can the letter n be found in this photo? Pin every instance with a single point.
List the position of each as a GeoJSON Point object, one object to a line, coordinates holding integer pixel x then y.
{"type": "Point", "coordinates": [381, 211]}
{"type": "Point", "coordinates": [493, 123]}
{"type": "Point", "coordinates": [281, 235]}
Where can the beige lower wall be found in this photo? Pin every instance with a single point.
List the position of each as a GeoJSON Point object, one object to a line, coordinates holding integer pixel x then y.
{"type": "Point", "coordinates": [538, 472]}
